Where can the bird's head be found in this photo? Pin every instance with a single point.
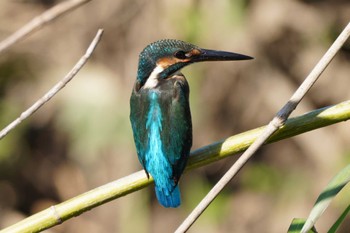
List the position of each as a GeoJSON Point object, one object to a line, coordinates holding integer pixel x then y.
{"type": "Point", "coordinates": [162, 58]}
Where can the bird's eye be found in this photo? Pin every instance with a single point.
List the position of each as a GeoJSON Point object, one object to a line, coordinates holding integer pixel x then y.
{"type": "Point", "coordinates": [180, 54]}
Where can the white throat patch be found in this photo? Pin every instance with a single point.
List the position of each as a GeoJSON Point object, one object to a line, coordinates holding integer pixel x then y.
{"type": "Point", "coordinates": [153, 79]}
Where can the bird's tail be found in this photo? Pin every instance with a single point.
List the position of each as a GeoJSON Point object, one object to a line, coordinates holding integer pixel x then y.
{"type": "Point", "coordinates": [169, 199]}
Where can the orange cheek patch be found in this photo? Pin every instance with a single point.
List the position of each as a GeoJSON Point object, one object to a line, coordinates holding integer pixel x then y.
{"type": "Point", "coordinates": [195, 52]}
{"type": "Point", "coordinates": [165, 62]}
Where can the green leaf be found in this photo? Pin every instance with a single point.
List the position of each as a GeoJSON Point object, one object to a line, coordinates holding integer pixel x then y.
{"type": "Point", "coordinates": [339, 221]}
{"type": "Point", "coordinates": [323, 201]}
{"type": "Point", "coordinates": [297, 224]}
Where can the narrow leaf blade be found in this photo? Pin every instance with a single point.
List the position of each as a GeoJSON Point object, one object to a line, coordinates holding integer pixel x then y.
{"type": "Point", "coordinates": [325, 198]}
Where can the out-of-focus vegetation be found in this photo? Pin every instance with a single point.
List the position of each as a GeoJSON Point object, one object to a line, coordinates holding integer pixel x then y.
{"type": "Point", "coordinates": [82, 138]}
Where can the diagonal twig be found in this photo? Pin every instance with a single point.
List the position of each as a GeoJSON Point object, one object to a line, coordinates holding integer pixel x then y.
{"type": "Point", "coordinates": [54, 90]}
{"type": "Point", "coordinates": [277, 122]}
{"type": "Point", "coordinates": [40, 21]}
{"type": "Point", "coordinates": [77, 205]}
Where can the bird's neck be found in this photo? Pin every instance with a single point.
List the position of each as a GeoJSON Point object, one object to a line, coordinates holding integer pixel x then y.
{"type": "Point", "coordinates": [153, 79]}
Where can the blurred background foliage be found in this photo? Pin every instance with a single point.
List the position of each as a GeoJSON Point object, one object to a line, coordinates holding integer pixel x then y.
{"type": "Point", "coordinates": [82, 138]}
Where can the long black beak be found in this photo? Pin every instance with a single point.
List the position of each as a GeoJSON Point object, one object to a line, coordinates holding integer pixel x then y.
{"type": "Point", "coordinates": [214, 55]}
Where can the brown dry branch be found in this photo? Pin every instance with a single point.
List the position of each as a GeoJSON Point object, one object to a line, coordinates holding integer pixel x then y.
{"type": "Point", "coordinates": [40, 21]}
{"type": "Point", "coordinates": [54, 90]}
{"type": "Point", "coordinates": [77, 205]}
{"type": "Point", "coordinates": [277, 122]}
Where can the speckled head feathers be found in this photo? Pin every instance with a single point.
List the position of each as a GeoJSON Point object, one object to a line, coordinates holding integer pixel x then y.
{"type": "Point", "coordinates": [157, 50]}
{"type": "Point", "coordinates": [170, 55]}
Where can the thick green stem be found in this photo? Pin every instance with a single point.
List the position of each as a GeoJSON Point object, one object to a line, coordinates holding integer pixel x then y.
{"type": "Point", "coordinates": [59, 213]}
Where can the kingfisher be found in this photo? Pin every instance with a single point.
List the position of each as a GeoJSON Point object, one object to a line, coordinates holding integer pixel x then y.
{"type": "Point", "coordinates": [160, 112]}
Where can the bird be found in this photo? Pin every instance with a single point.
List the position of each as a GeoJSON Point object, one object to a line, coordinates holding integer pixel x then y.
{"type": "Point", "coordinates": [160, 113]}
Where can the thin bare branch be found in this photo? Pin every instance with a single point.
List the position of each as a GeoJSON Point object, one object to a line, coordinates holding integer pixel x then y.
{"type": "Point", "coordinates": [277, 122]}
{"type": "Point", "coordinates": [40, 21]}
{"type": "Point", "coordinates": [219, 150]}
{"type": "Point", "coordinates": [54, 90]}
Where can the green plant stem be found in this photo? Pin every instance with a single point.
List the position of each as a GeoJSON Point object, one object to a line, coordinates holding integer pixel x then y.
{"type": "Point", "coordinates": [294, 126]}
{"type": "Point", "coordinates": [276, 123]}
{"type": "Point", "coordinates": [59, 213]}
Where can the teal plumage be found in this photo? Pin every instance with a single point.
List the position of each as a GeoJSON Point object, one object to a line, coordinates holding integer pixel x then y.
{"type": "Point", "coordinates": [163, 137]}
{"type": "Point", "coordinates": [160, 113]}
